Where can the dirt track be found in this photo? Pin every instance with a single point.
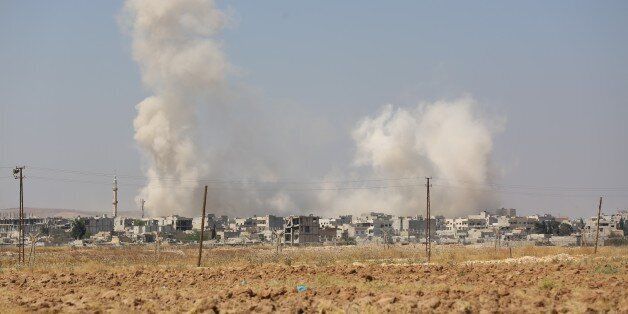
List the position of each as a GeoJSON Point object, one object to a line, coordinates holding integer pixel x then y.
{"type": "Point", "coordinates": [560, 284]}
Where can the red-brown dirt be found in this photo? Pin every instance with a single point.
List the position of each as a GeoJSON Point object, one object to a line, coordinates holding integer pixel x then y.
{"type": "Point", "coordinates": [561, 284]}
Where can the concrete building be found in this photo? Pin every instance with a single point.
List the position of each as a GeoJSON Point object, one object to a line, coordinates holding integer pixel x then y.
{"type": "Point", "coordinates": [301, 230]}
{"type": "Point", "coordinates": [9, 226]}
{"type": "Point", "coordinates": [122, 224]}
{"type": "Point", "coordinates": [226, 235]}
{"type": "Point", "coordinates": [356, 231]}
{"type": "Point", "coordinates": [489, 219]}
{"type": "Point", "coordinates": [94, 225]}
{"type": "Point", "coordinates": [412, 226]}
{"type": "Point", "coordinates": [524, 223]}
{"type": "Point", "coordinates": [335, 222]}
{"type": "Point", "coordinates": [210, 222]}
{"type": "Point", "coordinates": [177, 222]}
{"type": "Point", "coordinates": [609, 227]}
{"type": "Point", "coordinates": [244, 223]}
{"type": "Point", "coordinates": [269, 222]}
{"type": "Point", "coordinates": [328, 234]}
{"type": "Point", "coordinates": [465, 224]}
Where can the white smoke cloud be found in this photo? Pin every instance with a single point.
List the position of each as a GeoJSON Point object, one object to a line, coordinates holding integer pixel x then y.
{"type": "Point", "coordinates": [181, 62]}
{"type": "Point", "coordinates": [449, 141]}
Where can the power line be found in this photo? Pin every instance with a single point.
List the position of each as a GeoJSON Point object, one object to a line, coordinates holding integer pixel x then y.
{"type": "Point", "coordinates": [466, 182]}
{"type": "Point", "coordinates": [506, 191]}
{"type": "Point", "coordinates": [352, 184]}
{"type": "Point", "coordinates": [304, 182]}
{"type": "Point", "coordinates": [169, 185]}
{"type": "Point", "coordinates": [220, 181]}
{"type": "Point", "coordinates": [231, 188]}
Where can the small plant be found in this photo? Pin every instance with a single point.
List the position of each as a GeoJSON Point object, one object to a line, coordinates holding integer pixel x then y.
{"type": "Point", "coordinates": [462, 272]}
{"type": "Point", "coordinates": [287, 261]}
{"type": "Point", "coordinates": [547, 284]}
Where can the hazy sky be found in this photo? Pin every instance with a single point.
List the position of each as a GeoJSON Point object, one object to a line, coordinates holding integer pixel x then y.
{"type": "Point", "coordinates": [555, 72]}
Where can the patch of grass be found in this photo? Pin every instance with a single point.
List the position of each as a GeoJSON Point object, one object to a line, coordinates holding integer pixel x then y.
{"type": "Point", "coordinates": [606, 269]}
{"type": "Point", "coordinates": [547, 284]}
{"type": "Point", "coordinates": [462, 272]}
{"type": "Point", "coordinates": [257, 256]}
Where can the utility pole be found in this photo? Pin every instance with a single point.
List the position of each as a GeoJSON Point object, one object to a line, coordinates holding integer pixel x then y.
{"type": "Point", "coordinates": [18, 173]}
{"type": "Point", "coordinates": [597, 229]}
{"type": "Point", "coordinates": [428, 246]}
{"type": "Point", "coordinates": [142, 202]}
{"type": "Point", "coordinates": [200, 245]}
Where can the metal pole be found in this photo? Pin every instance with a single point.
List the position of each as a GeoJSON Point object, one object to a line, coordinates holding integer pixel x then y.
{"type": "Point", "coordinates": [200, 245]}
{"type": "Point", "coordinates": [597, 229]}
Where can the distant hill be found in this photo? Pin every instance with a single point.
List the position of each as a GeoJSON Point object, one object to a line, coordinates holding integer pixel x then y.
{"type": "Point", "coordinates": [61, 212]}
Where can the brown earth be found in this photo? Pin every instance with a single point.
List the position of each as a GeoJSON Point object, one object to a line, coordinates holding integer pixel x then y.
{"type": "Point", "coordinates": [555, 283]}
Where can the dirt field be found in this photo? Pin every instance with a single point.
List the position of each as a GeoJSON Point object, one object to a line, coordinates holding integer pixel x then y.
{"type": "Point", "coordinates": [349, 279]}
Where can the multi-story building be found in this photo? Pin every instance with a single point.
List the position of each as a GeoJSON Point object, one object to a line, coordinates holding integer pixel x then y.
{"type": "Point", "coordinates": [122, 223]}
{"type": "Point", "coordinates": [94, 225]}
{"type": "Point", "coordinates": [210, 222]}
{"type": "Point", "coordinates": [269, 222]}
{"type": "Point", "coordinates": [608, 227]}
{"type": "Point", "coordinates": [464, 224]}
{"type": "Point", "coordinates": [177, 222]}
{"type": "Point", "coordinates": [301, 229]}
{"type": "Point", "coordinates": [244, 223]}
{"type": "Point", "coordinates": [524, 223]}
{"type": "Point", "coordinates": [9, 226]}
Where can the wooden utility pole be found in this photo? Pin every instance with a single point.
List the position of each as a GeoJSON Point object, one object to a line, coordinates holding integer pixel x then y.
{"type": "Point", "coordinates": [428, 246]}
{"type": "Point", "coordinates": [597, 229]}
{"type": "Point", "coordinates": [18, 173]}
{"type": "Point", "coordinates": [142, 202]}
{"type": "Point", "coordinates": [200, 245]}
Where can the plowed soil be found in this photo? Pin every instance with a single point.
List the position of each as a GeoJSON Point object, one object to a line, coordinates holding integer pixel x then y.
{"type": "Point", "coordinates": [557, 283]}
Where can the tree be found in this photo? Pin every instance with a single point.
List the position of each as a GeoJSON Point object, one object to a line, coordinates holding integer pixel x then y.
{"type": "Point", "coordinates": [78, 228]}
{"type": "Point", "coordinates": [539, 228]}
{"type": "Point", "coordinates": [547, 227]}
{"type": "Point", "coordinates": [553, 227]}
{"type": "Point", "coordinates": [565, 229]}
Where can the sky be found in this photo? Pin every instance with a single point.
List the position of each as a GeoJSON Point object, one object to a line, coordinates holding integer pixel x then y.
{"type": "Point", "coordinates": [554, 74]}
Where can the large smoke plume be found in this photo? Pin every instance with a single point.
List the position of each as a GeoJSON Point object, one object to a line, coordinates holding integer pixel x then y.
{"type": "Point", "coordinates": [448, 141]}
{"type": "Point", "coordinates": [181, 63]}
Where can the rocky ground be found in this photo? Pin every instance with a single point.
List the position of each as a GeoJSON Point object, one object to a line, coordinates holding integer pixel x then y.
{"type": "Point", "coordinates": [556, 283]}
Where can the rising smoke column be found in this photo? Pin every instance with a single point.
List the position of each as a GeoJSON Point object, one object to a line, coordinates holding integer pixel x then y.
{"type": "Point", "coordinates": [448, 140]}
{"type": "Point", "coordinates": [182, 62]}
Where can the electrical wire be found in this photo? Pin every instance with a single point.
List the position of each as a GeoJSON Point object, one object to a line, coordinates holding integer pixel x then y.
{"type": "Point", "coordinates": [337, 185]}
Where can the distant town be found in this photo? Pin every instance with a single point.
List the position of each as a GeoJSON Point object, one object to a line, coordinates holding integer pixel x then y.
{"type": "Point", "coordinates": [501, 227]}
